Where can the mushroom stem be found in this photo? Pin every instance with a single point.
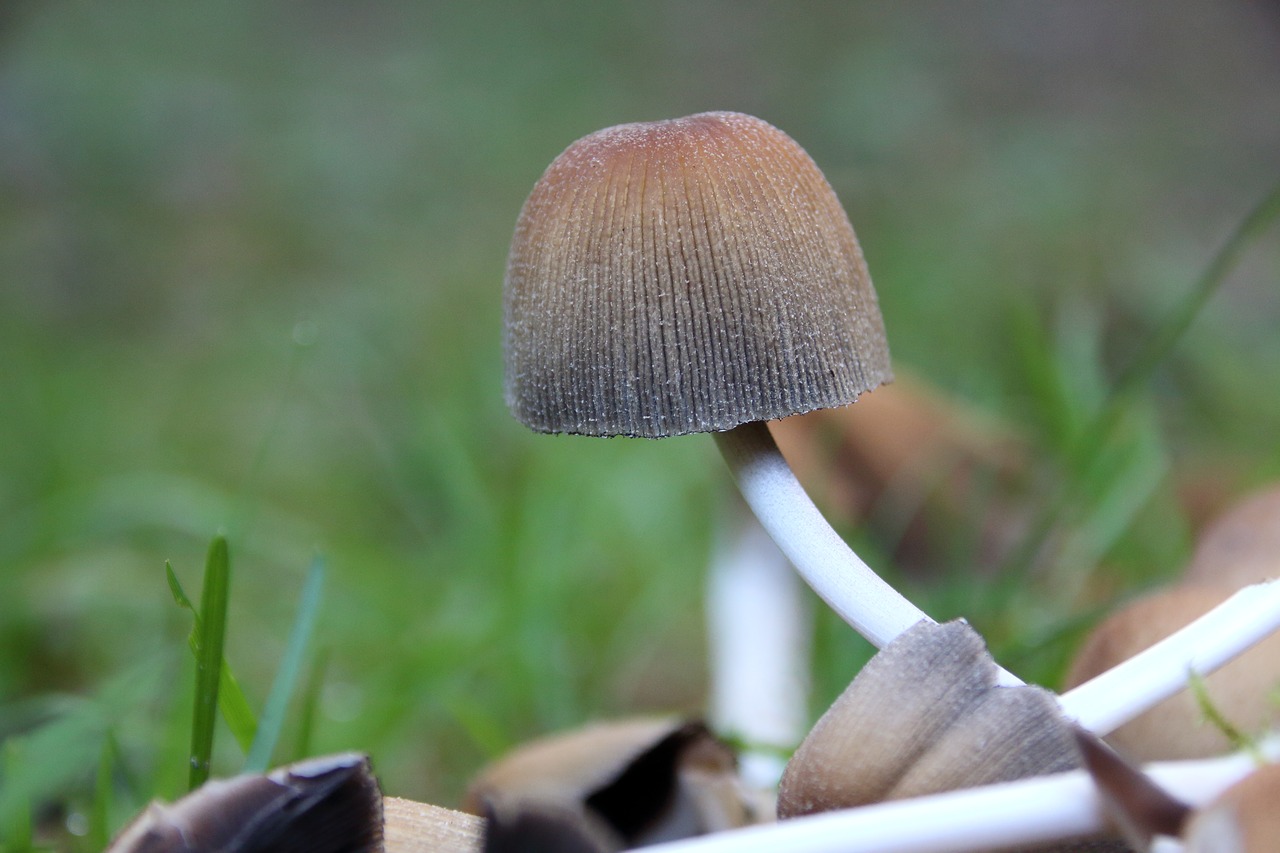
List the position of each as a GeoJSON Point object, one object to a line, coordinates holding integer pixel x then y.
{"type": "Point", "coordinates": [759, 622]}
{"type": "Point", "coordinates": [875, 609]}
{"type": "Point", "coordinates": [1038, 810]}
{"type": "Point", "coordinates": [1126, 690]}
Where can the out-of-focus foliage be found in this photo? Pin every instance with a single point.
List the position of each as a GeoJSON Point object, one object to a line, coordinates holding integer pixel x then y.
{"type": "Point", "coordinates": [250, 279]}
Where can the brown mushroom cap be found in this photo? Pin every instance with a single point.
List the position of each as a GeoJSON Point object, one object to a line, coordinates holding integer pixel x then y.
{"type": "Point", "coordinates": [1242, 545]}
{"type": "Point", "coordinates": [925, 715]}
{"type": "Point", "coordinates": [686, 276]}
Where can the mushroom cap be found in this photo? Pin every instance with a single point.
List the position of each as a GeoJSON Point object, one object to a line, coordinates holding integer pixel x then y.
{"type": "Point", "coordinates": [925, 715]}
{"type": "Point", "coordinates": [1242, 545]}
{"type": "Point", "coordinates": [682, 276]}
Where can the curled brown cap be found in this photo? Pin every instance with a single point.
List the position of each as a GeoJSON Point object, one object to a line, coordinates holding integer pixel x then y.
{"type": "Point", "coordinates": [684, 276]}
{"type": "Point", "coordinates": [925, 715]}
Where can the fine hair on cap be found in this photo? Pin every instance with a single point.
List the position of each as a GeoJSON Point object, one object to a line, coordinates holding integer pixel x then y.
{"type": "Point", "coordinates": [684, 276]}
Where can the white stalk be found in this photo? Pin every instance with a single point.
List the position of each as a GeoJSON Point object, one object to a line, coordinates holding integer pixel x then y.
{"type": "Point", "coordinates": [1123, 692]}
{"type": "Point", "coordinates": [871, 606]}
{"type": "Point", "coordinates": [759, 624]}
{"type": "Point", "coordinates": [876, 610]}
{"type": "Point", "coordinates": [1031, 811]}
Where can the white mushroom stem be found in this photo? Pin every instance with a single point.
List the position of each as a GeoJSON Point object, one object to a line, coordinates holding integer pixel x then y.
{"type": "Point", "coordinates": [759, 625]}
{"type": "Point", "coordinates": [1011, 814]}
{"type": "Point", "coordinates": [1123, 692]}
{"type": "Point", "coordinates": [876, 610]}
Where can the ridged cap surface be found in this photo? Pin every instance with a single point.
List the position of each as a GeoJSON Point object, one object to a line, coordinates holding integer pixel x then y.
{"type": "Point", "coordinates": [685, 276]}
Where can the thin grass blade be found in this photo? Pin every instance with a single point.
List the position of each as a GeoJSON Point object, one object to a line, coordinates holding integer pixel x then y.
{"type": "Point", "coordinates": [235, 708]}
{"type": "Point", "coordinates": [99, 834]}
{"type": "Point", "coordinates": [1098, 430]}
{"type": "Point", "coordinates": [310, 705]}
{"type": "Point", "coordinates": [272, 721]}
{"type": "Point", "coordinates": [212, 632]}
{"type": "Point", "coordinates": [15, 814]}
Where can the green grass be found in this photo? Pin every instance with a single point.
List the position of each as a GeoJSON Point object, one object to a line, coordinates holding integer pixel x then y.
{"type": "Point", "coordinates": [250, 266]}
{"type": "Point", "coordinates": [210, 634]}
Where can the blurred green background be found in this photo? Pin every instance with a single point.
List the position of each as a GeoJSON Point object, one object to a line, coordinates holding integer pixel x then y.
{"type": "Point", "coordinates": [251, 258]}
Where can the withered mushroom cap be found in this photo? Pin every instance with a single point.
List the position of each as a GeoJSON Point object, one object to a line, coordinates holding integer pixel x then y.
{"type": "Point", "coordinates": [684, 276]}
{"type": "Point", "coordinates": [925, 715]}
{"type": "Point", "coordinates": [642, 780]}
{"type": "Point", "coordinates": [327, 803]}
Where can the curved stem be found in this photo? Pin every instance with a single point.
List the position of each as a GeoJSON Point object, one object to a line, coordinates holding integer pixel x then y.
{"type": "Point", "coordinates": [1037, 810]}
{"type": "Point", "coordinates": [1111, 699]}
{"type": "Point", "coordinates": [876, 610]}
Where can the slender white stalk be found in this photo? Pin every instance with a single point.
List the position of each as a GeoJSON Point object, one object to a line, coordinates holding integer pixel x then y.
{"type": "Point", "coordinates": [840, 578]}
{"type": "Point", "coordinates": [871, 606]}
{"type": "Point", "coordinates": [1031, 811]}
{"type": "Point", "coordinates": [759, 624]}
{"type": "Point", "coordinates": [1123, 692]}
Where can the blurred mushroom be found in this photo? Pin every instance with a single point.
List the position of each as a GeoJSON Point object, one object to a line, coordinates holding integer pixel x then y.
{"type": "Point", "coordinates": [1244, 819]}
{"type": "Point", "coordinates": [324, 804]}
{"type": "Point", "coordinates": [1174, 728]}
{"type": "Point", "coordinates": [1242, 545]}
{"type": "Point", "coordinates": [925, 715]}
{"type": "Point", "coordinates": [699, 275]}
{"type": "Point", "coordinates": [635, 781]}
{"type": "Point", "coordinates": [540, 827]}
{"type": "Point", "coordinates": [759, 625]}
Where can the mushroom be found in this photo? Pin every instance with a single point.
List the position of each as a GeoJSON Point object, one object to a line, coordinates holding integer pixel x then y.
{"type": "Point", "coordinates": [321, 804]}
{"type": "Point", "coordinates": [699, 275]}
{"type": "Point", "coordinates": [633, 781]}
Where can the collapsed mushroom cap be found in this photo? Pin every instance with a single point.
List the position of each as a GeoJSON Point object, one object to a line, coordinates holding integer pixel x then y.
{"type": "Point", "coordinates": [636, 781]}
{"type": "Point", "coordinates": [686, 276]}
{"type": "Point", "coordinates": [925, 715]}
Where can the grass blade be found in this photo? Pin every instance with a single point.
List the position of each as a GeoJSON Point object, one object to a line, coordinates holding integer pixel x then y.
{"type": "Point", "coordinates": [15, 831]}
{"type": "Point", "coordinates": [100, 810]}
{"type": "Point", "coordinates": [211, 631]}
{"type": "Point", "coordinates": [310, 705]}
{"type": "Point", "coordinates": [272, 720]}
{"type": "Point", "coordinates": [1082, 454]}
{"type": "Point", "coordinates": [1159, 345]}
{"type": "Point", "coordinates": [235, 708]}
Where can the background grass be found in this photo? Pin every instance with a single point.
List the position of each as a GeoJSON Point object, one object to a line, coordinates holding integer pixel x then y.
{"type": "Point", "coordinates": [250, 279]}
